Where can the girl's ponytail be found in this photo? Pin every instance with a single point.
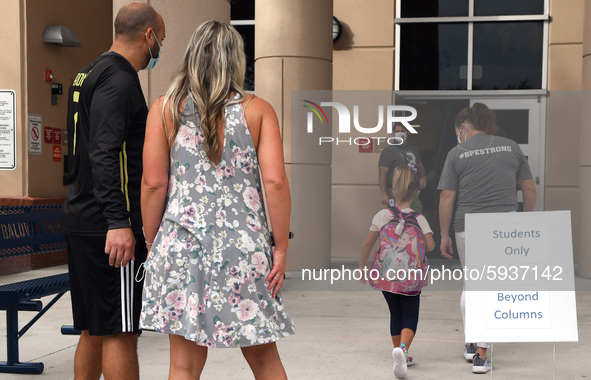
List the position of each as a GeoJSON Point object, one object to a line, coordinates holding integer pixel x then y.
{"type": "Point", "coordinates": [405, 183]}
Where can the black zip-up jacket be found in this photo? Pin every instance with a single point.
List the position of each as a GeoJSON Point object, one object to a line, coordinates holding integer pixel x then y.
{"type": "Point", "coordinates": [106, 125]}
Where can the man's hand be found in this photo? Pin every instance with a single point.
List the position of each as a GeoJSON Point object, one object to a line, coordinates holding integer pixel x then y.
{"type": "Point", "coordinates": [446, 247]}
{"type": "Point", "coordinates": [385, 199]}
{"type": "Point", "coordinates": [120, 247]}
{"type": "Point", "coordinates": [423, 183]}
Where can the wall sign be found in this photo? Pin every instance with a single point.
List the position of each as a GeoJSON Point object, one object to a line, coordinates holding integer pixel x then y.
{"type": "Point", "coordinates": [48, 135]}
{"type": "Point", "coordinates": [7, 130]}
{"type": "Point", "coordinates": [35, 131]}
{"type": "Point", "coordinates": [57, 136]}
{"type": "Point", "coordinates": [57, 153]}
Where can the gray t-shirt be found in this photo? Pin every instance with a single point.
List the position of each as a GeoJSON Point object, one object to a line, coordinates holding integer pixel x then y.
{"type": "Point", "coordinates": [397, 155]}
{"type": "Point", "coordinates": [484, 171]}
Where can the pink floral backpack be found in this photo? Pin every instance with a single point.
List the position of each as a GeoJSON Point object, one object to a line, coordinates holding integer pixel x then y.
{"type": "Point", "coordinates": [399, 265]}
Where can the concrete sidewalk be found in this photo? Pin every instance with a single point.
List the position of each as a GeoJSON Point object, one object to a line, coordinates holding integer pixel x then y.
{"type": "Point", "coordinates": [341, 333]}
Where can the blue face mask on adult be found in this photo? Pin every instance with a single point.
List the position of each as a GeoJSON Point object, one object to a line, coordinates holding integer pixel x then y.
{"type": "Point", "coordinates": [153, 60]}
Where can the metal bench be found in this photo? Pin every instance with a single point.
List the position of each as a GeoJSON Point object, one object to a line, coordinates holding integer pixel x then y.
{"type": "Point", "coordinates": [27, 230]}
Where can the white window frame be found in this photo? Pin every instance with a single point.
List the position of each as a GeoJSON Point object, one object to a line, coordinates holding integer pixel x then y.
{"type": "Point", "coordinates": [471, 19]}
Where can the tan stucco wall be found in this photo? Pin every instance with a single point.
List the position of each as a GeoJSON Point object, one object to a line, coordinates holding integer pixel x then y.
{"type": "Point", "coordinates": [12, 78]}
{"type": "Point", "coordinates": [583, 258]}
{"type": "Point", "coordinates": [91, 22]}
{"type": "Point", "coordinates": [24, 60]}
{"type": "Point", "coordinates": [564, 113]}
{"type": "Point", "coordinates": [293, 51]}
{"type": "Point", "coordinates": [363, 60]}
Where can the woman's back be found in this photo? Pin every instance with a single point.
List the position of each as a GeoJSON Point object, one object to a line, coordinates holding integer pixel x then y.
{"type": "Point", "coordinates": [484, 170]}
{"type": "Point", "coordinates": [213, 246]}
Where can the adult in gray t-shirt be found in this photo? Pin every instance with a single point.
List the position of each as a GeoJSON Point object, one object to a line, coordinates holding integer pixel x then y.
{"type": "Point", "coordinates": [484, 171]}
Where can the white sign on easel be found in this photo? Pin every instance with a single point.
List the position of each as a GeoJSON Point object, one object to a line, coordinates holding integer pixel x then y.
{"type": "Point", "coordinates": [7, 130]}
{"type": "Point", "coordinates": [525, 288]}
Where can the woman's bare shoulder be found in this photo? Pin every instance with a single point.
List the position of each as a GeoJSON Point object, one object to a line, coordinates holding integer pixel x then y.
{"type": "Point", "coordinates": [256, 105]}
{"type": "Point", "coordinates": [158, 102]}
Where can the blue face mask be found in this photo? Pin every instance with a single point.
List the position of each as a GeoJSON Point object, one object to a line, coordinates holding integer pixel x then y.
{"type": "Point", "coordinates": [153, 60]}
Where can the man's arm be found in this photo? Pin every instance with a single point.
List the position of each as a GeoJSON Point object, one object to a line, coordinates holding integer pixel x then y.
{"type": "Point", "coordinates": [383, 177]}
{"type": "Point", "coordinates": [528, 188]}
{"type": "Point", "coordinates": [110, 114]}
{"type": "Point", "coordinates": [446, 208]}
{"type": "Point", "coordinates": [421, 173]}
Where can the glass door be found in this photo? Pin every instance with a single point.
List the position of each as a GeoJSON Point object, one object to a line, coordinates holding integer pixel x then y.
{"type": "Point", "coordinates": [522, 120]}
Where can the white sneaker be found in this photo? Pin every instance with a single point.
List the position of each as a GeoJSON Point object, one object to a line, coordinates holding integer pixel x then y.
{"type": "Point", "coordinates": [399, 363]}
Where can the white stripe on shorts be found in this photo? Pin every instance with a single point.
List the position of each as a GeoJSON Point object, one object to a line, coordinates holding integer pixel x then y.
{"type": "Point", "coordinates": [126, 298]}
{"type": "Point", "coordinates": [130, 279]}
{"type": "Point", "coordinates": [122, 287]}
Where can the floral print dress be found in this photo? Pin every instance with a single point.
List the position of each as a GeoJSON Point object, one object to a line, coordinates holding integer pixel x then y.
{"type": "Point", "coordinates": [206, 271]}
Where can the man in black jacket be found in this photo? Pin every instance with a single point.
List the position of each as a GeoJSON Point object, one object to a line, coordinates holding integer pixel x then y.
{"type": "Point", "coordinates": [106, 125]}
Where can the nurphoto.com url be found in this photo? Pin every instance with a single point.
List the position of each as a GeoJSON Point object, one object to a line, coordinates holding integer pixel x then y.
{"type": "Point", "coordinates": [431, 275]}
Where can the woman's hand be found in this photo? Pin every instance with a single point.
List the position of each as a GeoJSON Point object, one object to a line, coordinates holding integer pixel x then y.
{"type": "Point", "coordinates": [275, 278]}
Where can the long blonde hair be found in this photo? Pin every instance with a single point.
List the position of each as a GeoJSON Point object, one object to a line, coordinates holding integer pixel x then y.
{"type": "Point", "coordinates": [405, 183]}
{"type": "Point", "coordinates": [213, 67]}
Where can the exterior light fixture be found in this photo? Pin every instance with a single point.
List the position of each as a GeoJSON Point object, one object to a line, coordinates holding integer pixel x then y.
{"type": "Point", "coordinates": [60, 35]}
{"type": "Point", "coordinates": [337, 29]}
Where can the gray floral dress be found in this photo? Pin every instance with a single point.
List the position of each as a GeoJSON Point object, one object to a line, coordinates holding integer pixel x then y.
{"type": "Point", "coordinates": [205, 275]}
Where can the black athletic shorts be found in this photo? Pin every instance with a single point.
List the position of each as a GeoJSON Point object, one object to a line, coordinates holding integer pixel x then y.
{"type": "Point", "coordinates": [105, 300]}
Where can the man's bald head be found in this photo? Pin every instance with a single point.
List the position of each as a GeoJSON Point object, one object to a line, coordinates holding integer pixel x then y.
{"type": "Point", "coordinates": [134, 18]}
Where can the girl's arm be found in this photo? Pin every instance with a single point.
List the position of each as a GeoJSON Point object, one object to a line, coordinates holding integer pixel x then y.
{"type": "Point", "coordinates": [430, 242]}
{"type": "Point", "coordinates": [155, 176]}
{"type": "Point", "coordinates": [368, 243]}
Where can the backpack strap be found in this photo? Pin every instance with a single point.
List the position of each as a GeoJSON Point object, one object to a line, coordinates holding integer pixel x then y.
{"type": "Point", "coordinates": [396, 211]}
{"type": "Point", "coordinates": [403, 217]}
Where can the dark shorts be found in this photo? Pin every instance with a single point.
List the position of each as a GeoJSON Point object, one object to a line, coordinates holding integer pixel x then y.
{"type": "Point", "coordinates": [105, 300]}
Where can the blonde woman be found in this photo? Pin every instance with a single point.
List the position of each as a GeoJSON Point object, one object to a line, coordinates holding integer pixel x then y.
{"type": "Point", "coordinates": [212, 277]}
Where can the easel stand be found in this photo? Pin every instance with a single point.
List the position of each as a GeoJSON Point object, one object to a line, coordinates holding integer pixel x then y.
{"type": "Point", "coordinates": [553, 361]}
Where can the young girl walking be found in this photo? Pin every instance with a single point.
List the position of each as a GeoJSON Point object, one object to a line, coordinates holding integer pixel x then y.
{"type": "Point", "coordinates": [399, 271]}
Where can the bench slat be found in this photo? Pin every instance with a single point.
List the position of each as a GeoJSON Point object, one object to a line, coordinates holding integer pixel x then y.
{"type": "Point", "coordinates": [33, 289]}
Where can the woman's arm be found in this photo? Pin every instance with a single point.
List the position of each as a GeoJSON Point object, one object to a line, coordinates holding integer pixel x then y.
{"type": "Point", "coordinates": [446, 210]}
{"type": "Point", "coordinates": [528, 187]}
{"type": "Point", "coordinates": [270, 157]}
{"type": "Point", "coordinates": [155, 176]}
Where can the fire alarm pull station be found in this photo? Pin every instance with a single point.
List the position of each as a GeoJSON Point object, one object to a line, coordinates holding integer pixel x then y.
{"type": "Point", "coordinates": [48, 75]}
